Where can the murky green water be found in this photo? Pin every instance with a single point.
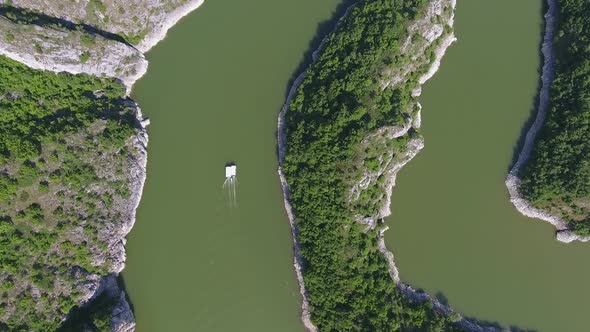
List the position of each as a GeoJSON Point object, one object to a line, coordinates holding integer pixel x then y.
{"type": "Point", "coordinates": [453, 228]}
{"type": "Point", "coordinates": [213, 91]}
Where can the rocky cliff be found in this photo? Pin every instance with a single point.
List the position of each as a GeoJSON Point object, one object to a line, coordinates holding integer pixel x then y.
{"type": "Point", "coordinates": [103, 39]}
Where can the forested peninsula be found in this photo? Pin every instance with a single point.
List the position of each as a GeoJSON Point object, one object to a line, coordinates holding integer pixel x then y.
{"type": "Point", "coordinates": [350, 123]}
{"type": "Point", "coordinates": [551, 179]}
{"type": "Point", "coordinates": [72, 156]}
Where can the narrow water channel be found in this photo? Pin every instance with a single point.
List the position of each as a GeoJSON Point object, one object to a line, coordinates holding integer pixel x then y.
{"type": "Point", "coordinates": [454, 232]}
{"type": "Point", "coordinates": [213, 92]}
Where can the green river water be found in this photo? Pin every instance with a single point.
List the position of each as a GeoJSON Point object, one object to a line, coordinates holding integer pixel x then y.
{"type": "Point", "coordinates": [213, 91]}
{"type": "Point", "coordinates": [453, 228]}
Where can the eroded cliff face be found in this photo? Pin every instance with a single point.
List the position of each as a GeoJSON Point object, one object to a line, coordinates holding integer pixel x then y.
{"type": "Point", "coordinates": [64, 222]}
{"type": "Point", "coordinates": [554, 216]}
{"type": "Point", "coordinates": [105, 39]}
{"type": "Point", "coordinates": [96, 37]}
{"type": "Point", "coordinates": [138, 21]}
{"type": "Point", "coordinates": [59, 49]}
{"type": "Point", "coordinates": [384, 152]}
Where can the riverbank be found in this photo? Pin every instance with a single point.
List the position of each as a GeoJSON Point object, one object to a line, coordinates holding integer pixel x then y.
{"type": "Point", "coordinates": [414, 147]}
{"type": "Point", "coordinates": [123, 317]}
{"type": "Point", "coordinates": [390, 173]}
{"type": "Point", "coordinates": [61, 49]}
{"type": "Point", "coordinates": [281, 143]}
{"type": "Point", "coordinates": [563, 233]}
{"type": "Point", "coordinates": [76, 52]}
{"type": "Point", "coordinates": [170, 19]}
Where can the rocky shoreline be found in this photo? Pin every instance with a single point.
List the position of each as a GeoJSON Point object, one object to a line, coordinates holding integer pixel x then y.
{"type": "Point", "coordinates": [156, 35]}
{"type": "Point", "coordinates": [513, 180]}
{"type": "Point", "coordinates": [123, 318]}
{"type": "Point", "coordinates": [61, 50]}
{"type": "Point", "coordinates": [281, 147]}
{"type": "Point", "coordinates": [127, 64]}
{"type": "Point", "coordinates": [105, 57]}
{"type": "Point", "coordinates": [415, 146]}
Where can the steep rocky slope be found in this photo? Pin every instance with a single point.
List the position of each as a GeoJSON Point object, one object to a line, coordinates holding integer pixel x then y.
{"type": "Point", "coordinates": [72, 156]}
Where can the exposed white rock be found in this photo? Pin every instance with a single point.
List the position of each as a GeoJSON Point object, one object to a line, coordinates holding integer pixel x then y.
{"type": "Point", "coordinates": [513, 181]}
{"type": "Point", "coordinates": [123, 318]}
{"type": "Point", "coordinates": [414, 146]}
{"type": "Point", "coordinates": [165, 22]}
{"type": "Point", "coordinates": [439, 53]}
{"type": "Point", "coordinates": [393, 270]}
{"type": "Point", "coordinates": [92, 285]}
{"type": "Point", "coordinates": [431, 34]}
{"type": "Point", "coordinates": [58, 50]}
{"type": "Point", "coordinates": [87, 284]}
{"type": "Point", "coordinates": [144, 21]}
{"type": "Point", "coordinates": [437, 7]}
{"type": "Point", "coordinates": [62, 50]}
{"type": "Point", "coordinates": [418, 117]}
{"type": "Point", "coordinates": [422, 34]}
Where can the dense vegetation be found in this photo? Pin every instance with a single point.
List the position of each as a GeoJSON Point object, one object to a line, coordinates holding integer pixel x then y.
{"type": "Point", "coordinates": [96, 317]}
{"type": "Point", "coordinates": [557, 178]}
{"type": "Point", "coordinates": [341, 101]}
{"type": "Point", "coordinates": [58, 133]}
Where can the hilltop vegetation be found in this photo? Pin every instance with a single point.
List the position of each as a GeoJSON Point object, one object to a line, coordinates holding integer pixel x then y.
{"type": "Point", "coordinates": [557, 178]}
{"type": "Point", "coordinates": [342, 100]}
{"type": "Point", "coordinates": [64, 159]}
{"type": "Point", "coordinates": [131, 19]}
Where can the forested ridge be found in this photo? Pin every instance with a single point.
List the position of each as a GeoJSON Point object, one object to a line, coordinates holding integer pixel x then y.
{"type": "Point", "coordinates": [557, 177]}
{"type": "Point", "coordinates": [340, 101]}
{"type": "Point", "coordinates": [58, 133]}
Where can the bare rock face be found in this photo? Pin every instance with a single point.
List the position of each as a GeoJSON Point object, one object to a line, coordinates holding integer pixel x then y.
{"type": "Point", "coordinates": [104, 38]}
{"type": "Point", "coordinates": [563, 233]}
{"type": "Point", "coordinates": [132, 27]}
{"type": "Point", "coordinates": [76, 52]}
{"type": "Point", "coordinates": [432, 32]}
{"type": "Point", "coordinates": [141, 22]}
{"type": "Point", "coordinates": [123, 319]}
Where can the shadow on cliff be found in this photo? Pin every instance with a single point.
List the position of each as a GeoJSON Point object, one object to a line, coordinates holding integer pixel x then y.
{"type": "Point", "coordinates": [83, 318]}
{"type": "Point", "coordinates": [122, 286]}
{"type": "Point", "coordinates": [535, 102]}
{"type": "Point", "coordinates": [26, 17]}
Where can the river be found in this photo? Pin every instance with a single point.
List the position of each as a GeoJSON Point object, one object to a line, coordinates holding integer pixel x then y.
{"type": "Point", "coordinates": [453, 231]}
{"type": "Point", "coordinates": [213, 91]}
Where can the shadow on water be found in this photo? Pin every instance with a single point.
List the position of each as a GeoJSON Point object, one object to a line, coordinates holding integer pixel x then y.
{"type": "Point", "coordinates": [497, 325]}
{"type": "Point", "coordinates": [327, 26]}
{"type": "Point", "coordinates": [442, 299]}
{"type": "Point", "coordinates": [323, 29]}
{"type": "Point", "coordinates": [83, 318]}
{"type": "Point", "coordinates": [535, 102]}
{"type": "Point", "coordinates": [121, 283]}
